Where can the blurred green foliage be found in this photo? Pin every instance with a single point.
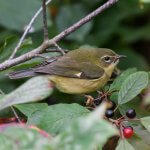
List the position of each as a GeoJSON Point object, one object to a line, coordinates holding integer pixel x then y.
{"type": "Point", "coordinates": [125, 28]}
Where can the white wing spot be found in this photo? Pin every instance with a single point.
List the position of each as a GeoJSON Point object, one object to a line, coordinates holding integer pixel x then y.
{"type": "Point", "coordinates": [78, 74]}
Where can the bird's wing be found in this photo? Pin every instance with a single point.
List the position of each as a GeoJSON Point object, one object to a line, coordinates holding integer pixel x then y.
{"type": "Point", "coordinates": [69, 67]}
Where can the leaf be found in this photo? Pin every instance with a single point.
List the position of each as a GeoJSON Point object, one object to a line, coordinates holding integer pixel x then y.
{"type": "Point", "coordinates": [8, 44]}
{"type": "Point", "coordinates": [140, 140]}
{"type": "Point", "coordinates": [119, 80]}
{"type": "Point", "coordinates": [85, 133]}
{"type": "Point", "coordinates": [28, 109]}
{"type": "Point", "coordinates": [132, 86]}
{"type": "Point", "coordinates": [67, 16]}
{"type": "Point", "coordinates": [16, 14]}
{"type": "Point", "coordinates": [22, 138]}
{"type": "Point", "coordinates": [124, 145]}
{"type": "Point", "coordinates": [35, 89]}
{"type": "Point", "coordinates": [146, 122]}
{"type": "Point", "coordinates": [54, 118]}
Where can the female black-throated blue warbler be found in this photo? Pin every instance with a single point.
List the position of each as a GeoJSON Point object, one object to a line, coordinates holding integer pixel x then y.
{"type": "Point", "coordinates": [80, 71]}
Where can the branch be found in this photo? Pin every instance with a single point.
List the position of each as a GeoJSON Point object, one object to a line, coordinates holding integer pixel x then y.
{"type": "Point", "coordinates": [27, 30]}
{"type": "Point", "coordinates": [53, 41]}
{"type": "Point", "coordinates": [45, 20]}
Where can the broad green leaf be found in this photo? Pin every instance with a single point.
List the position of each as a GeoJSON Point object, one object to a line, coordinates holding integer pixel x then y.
{"type": "Point", "coordinates": [124, 145]}
{"type": "Point", "coordinates": [68, 15]}
{"type": "Point", "coordinates": [86, 133]}
{"type": "Point", "coordinates": [119, 80]}
{"type": "Point", "coordinates": [16, 14]}
{"type": "Point", "coordinates": [141, 137]}
{"type": "Point", "coordinates": [132, 86]}
{"type": "Point", "coordinates": [23, 138]}
{"type": "Point", "coordinates": [146, 122]}
{"type": "Point", "coordinates": [54, 118]}
{"type": "Point", "coordinates": [28, 109]}
{"type": "Point", "coordinates": [35, 89]}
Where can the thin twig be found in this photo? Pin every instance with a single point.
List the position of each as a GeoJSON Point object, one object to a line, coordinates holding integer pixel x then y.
{"type": "Point", "coordinates": [59, 49]}
{"type": "Point", "coordinates": [47, 44]}
{"type": "Point", "coordinates": [27, 30]}
{"type": "Point", "coordinates": [45, 27]}
{"type": "Point", "coordinates": [13, 110]}
{"type": "Point", "coordinates": [15, 114]}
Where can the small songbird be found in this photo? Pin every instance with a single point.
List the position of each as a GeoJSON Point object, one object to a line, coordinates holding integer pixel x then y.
{"type": "Point", "coordinates": [80, 71]}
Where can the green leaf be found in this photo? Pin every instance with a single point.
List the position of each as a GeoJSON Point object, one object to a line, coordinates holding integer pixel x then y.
{"type": "Point", "coordinates": [124, 145]}
{"type": "Point", "coordinates": [146, 122]}
{"type": "Point", "coordinates": [54, 118]}
{"type": "Point", "coordinates": [10, 42]}
{"type": "Point", "coordinates": [16, 14]}
{"type": "Point", "coordinates": [119, 80]}
{"type": "Point", "coordinates": [132, 86]}
{"type": "Point", "coordinates": [22, 138]}
{"type": "Point", "coordinates": [28, 109]}
{"type": "Point", "coordinates": [86, 133]}
{"type": "Point", "coordinates": [6, 47]}
{"type": "Point", "coordinates": [141, 137]}
{"type": "Point", "coordinates": [67, 16]}
{"type": "Point", "coordinates": [35, 89]}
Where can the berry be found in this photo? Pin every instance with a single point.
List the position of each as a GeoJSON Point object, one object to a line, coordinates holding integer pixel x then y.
{"type": "Point", "coordinates": [97, 102]}
{"type": "Point", "coordinates": [131, 113]}
{"type": "Point", "coordinates": [128, 132]}
{"type": "Point", "coordinates": [109, 113]}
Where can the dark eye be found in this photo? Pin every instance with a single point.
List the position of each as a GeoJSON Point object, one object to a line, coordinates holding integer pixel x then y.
{"type": "Point", "coordinates": [107, 59]}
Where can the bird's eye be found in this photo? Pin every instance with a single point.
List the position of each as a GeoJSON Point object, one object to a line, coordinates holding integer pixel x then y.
{"type": "Point", "coordinates": [107, 59]}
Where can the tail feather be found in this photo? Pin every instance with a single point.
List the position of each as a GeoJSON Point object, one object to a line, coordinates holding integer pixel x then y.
{"type": "Point", "coordinates": [22, 74]}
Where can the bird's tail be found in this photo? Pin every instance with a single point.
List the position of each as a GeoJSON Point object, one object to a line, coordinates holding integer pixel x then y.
{"type": "Point", "coordinates": [22, 74]}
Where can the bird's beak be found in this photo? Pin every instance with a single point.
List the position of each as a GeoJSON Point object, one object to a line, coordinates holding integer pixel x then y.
{"type": "Point", "coordinates": [119, 56]}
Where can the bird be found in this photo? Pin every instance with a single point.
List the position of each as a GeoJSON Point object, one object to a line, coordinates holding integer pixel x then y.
{"type": "Point", "coordinates": [80, 71]}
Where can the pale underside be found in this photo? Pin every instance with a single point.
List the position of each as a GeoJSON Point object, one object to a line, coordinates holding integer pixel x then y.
{"type": "Point", "coordinates": [78, 86]}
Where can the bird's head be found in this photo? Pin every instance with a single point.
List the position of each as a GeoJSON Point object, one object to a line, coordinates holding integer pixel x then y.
{"type": "Point", "coordinates": [107, 59]}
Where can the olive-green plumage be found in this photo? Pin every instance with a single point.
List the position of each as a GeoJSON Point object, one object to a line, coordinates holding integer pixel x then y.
{"type": "Point", "coordinates": [79, 71]}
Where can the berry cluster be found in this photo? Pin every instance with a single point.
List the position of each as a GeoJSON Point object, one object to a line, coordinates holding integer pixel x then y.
{"type": "Point", "coordinates": [127, 131]}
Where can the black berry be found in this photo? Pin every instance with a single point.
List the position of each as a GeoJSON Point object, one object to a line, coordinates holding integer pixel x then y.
{"type": "Point", "coordinates": [97, 102]}
{"type": "Point", "coordinates": [131, 113]}
{"type": "Point", "coordinates": [109, 113]}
